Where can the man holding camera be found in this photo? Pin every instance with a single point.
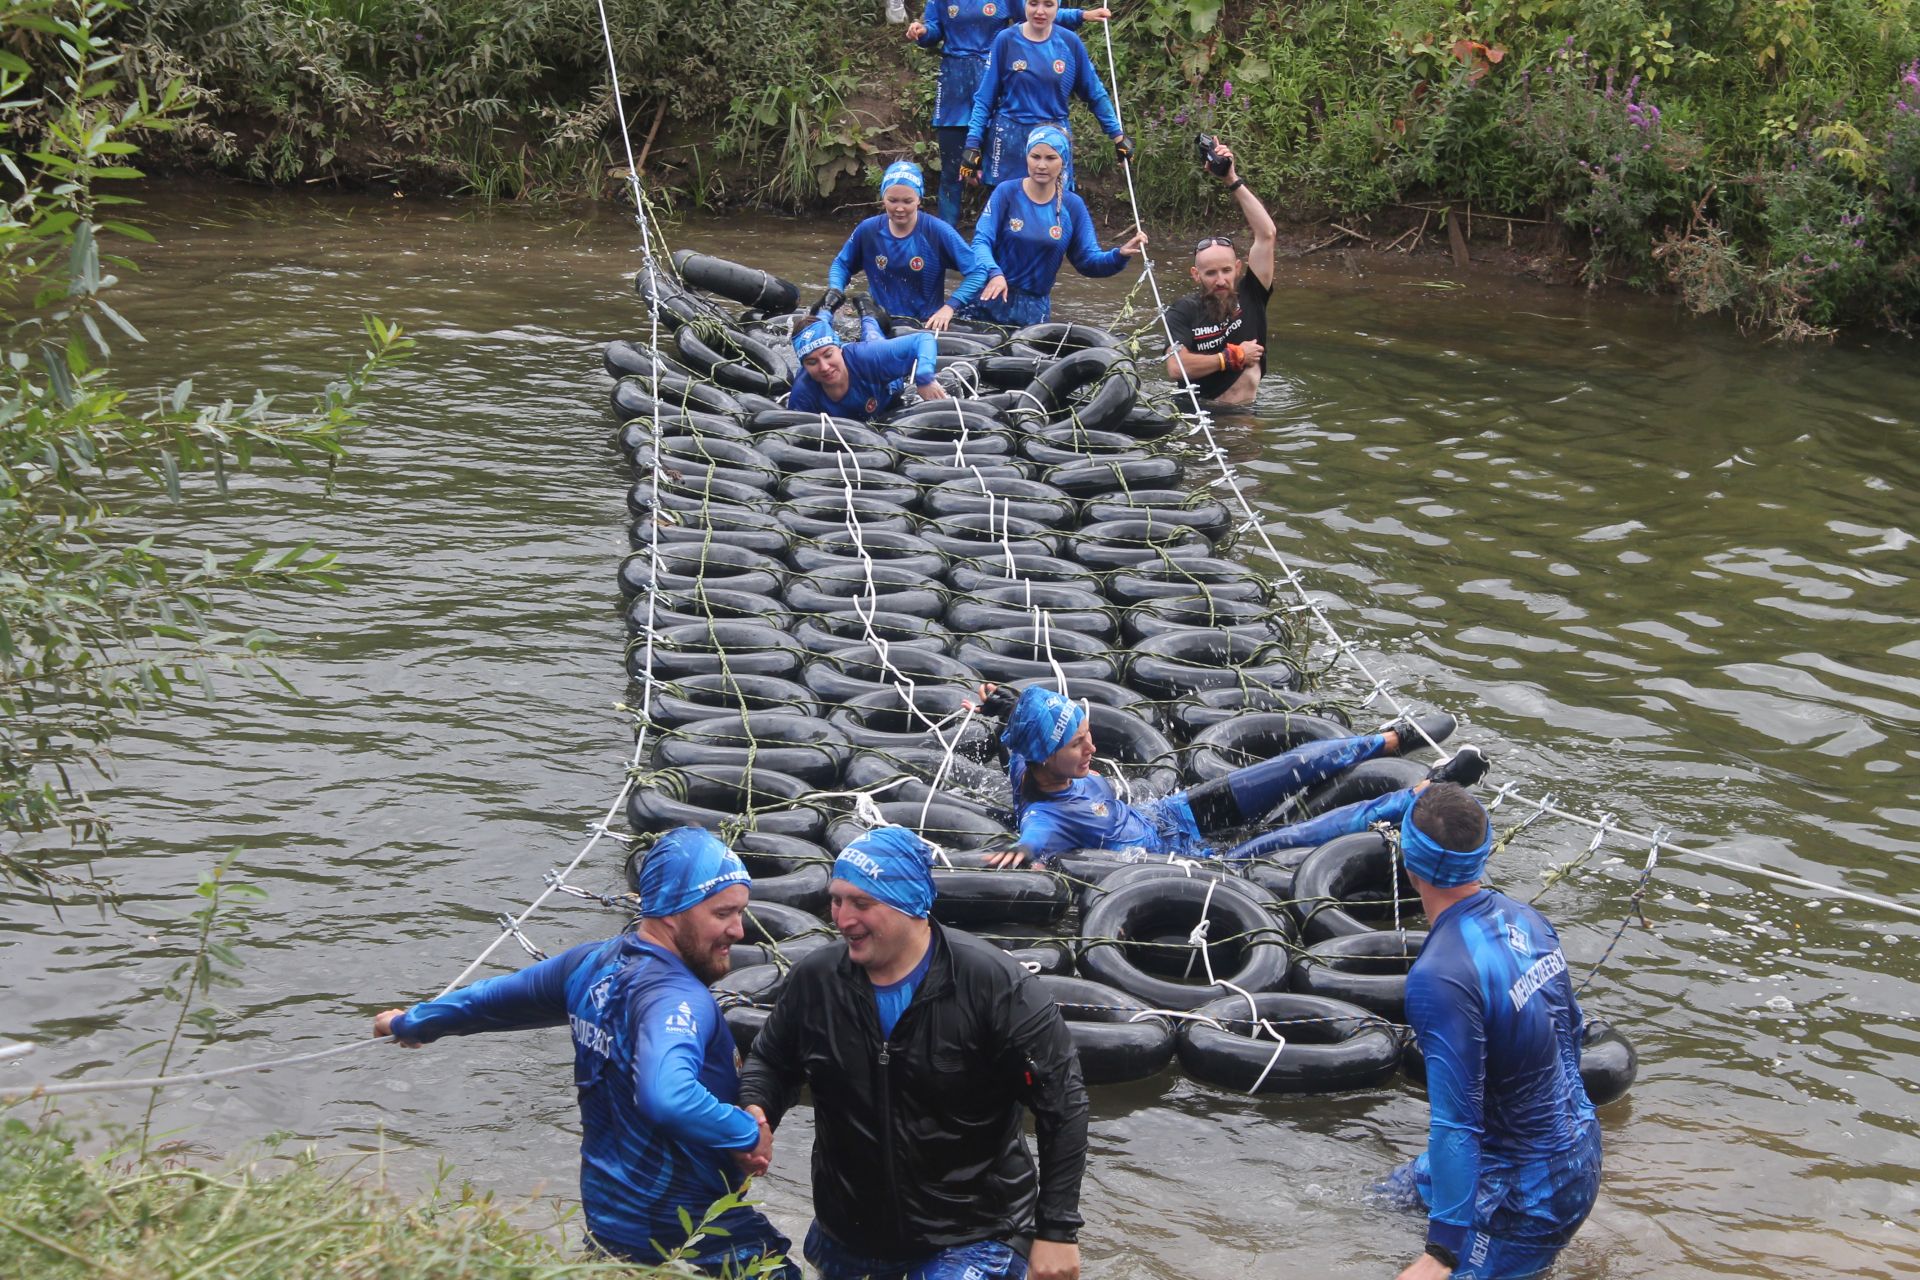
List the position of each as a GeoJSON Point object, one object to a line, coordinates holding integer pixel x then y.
{"type": "Point", "coordinates": [1220, 333]}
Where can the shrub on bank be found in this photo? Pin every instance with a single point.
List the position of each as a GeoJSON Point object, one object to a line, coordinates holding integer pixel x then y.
{"type": "Point", "coordinates": [1673, 140]}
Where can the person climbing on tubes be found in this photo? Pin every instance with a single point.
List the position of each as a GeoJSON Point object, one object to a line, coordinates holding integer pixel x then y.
{"type": "Point", "coordinates": [862, 379]}
{"type": "Point", "coordinates": [1061, 804]}
{"type": "Point", "coordinates": [905, 254]}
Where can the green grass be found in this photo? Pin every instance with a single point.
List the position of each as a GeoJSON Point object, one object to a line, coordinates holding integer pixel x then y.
{"type": "Point", "coordinates": [67, 1216]}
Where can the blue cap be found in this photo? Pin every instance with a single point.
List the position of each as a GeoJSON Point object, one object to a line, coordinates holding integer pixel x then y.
{"type": "Point", "coordinates": [1441, 867]}
{"type": "Point", "coordinates": [890, 865]}
{"type": "Point", "coordinates": [684, 868]}
{"type": "Point", "coordinates": [815, 336]}
{"type": "Point", "coordinates": [1041, 723]}
{"type": "Point", "coordinates": [1054, 136]}
{"type": "Point", "coordinates": [904, 173]}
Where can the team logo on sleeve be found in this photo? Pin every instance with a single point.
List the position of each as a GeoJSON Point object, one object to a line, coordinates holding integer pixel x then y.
{"type": "Point", "coordinates": [872, 404]}
{"type": "Point", "coordinates": [917, 262]}
{"type": "Point", "coordinates": [1054, 231]}
{"type": "Point", "coordinates": [681, 1021]}
{"type": "Point", "coordinates": [880, 261]}
{"type": "Point", "coordinates": [1016, 224]}
{"type": "Point", "coordinates": [599, 992]}
{"type": "Point", "coordinates": [1517, 939]}
{"type": "Point", "coordinates": [1099, 808]}
{"type": "Point", "coordinates": [1059, 66]}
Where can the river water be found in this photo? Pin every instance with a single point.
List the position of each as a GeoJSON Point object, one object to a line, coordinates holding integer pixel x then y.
{"type": "Point", "coordinates": [1657, 569]}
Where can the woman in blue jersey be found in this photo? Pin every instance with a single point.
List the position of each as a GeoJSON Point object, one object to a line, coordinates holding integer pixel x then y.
{"type": "Point", "coordinates": [858, 380]}
{"type": "Point", "coordinates": [1032, 71]}
{"type": "Point", "coordinates": [904, 253]}
{"type": "Point", "coordinates": [1028, 229]}
{"type": "Point", "coordinates": [1060, 804]}
{"type": "Point", "coordinates": [963, 31]}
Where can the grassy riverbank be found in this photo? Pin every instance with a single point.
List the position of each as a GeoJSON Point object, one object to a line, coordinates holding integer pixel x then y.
{"type": "Point", "coordinates": [66, 1216]}
{"type": "Point", "coordinates": [1761, 156]}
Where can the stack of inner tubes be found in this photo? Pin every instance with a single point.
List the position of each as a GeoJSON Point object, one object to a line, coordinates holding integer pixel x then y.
{"type": "Point", "coordinates": [815, 602]}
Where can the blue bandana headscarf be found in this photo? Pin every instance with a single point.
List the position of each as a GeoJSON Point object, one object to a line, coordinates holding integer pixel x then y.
{"type": "Point", "coordinates": [1041, 723]}
{"type": "Point", "coordinates": [685, 867]}
{"type": "Point", "coordinates": [890, 865]}
{"type": "Point", "coordinates": [1441, 867]}
{"type": "Point", "coordinates": [904, 173]}
{"type": "Point", "coordinates": [815, 336]}
{"type": "Point", "coordinates": [1055, 137]}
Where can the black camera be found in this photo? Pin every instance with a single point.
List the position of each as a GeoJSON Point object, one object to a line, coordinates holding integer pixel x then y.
{"type": "Point", "coordinates": [1210, 157]}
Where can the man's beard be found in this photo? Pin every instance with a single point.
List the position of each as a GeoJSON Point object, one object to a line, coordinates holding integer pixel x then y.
{"type": "Point", "coordinates": [1220, 307]}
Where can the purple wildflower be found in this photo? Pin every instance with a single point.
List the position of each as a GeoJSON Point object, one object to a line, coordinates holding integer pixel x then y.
{"type": "Point", "coordinates": [1226, 89]}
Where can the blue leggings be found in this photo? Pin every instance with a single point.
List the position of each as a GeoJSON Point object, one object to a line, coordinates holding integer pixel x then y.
{"type": "Point", "coordinates": [952, 142]}
{"type": "Point", "coordinates": [982, 1260]}
{"type": "Point", "coordinates": [1247, 793]}
{"type": "Point", "coordinates": [729, 1256]}
{"type": "Point", "coordinates": [1017, 310]}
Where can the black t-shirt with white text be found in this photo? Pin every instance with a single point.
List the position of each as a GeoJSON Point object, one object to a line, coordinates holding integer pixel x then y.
{"type": "Point", "coordinates": [1193, 331]}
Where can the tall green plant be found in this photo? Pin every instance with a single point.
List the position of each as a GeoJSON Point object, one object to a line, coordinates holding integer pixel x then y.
{"type": "Point", "coordinates": [98, 624]}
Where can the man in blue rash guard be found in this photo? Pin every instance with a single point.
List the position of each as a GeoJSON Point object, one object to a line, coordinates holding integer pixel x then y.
{"type": "Point", "coordinates": [1032, 72]}
{"type": "Point", "coordinates": [862, 379]}
{"type": "Point", "coordinates": [904, 252]}
{"type": "Point", "coordinates": [652, 1059]}
{"type": "Point", "coordinates": [963, 30]}
{"type": "Point", "coordinates": [1028, 229]}
{"type": "Point", "coordinates": [1512, 1165]}
{"type": "Point", "coordinates": [1061, 804]}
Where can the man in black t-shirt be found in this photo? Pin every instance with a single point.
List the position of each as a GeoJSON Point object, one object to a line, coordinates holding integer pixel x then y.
{"type": "Point", "coordinates": [1220, 333]}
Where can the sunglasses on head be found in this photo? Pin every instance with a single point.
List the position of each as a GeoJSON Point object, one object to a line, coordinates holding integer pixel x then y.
{"type": "Point", "coordinates": [1210, 241]}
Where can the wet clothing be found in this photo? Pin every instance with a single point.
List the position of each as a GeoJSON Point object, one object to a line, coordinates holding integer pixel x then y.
{"type": "Point", "coordinates": [1027, 242]}
{"type": "Point", "coordinates": [877, 370]}
{"type": "Point", "coordinates": [986, 1260]}
{"type": "Point", "coordinates": [1028, 83]}
{"type": "Point", "coordinates": [891, 999]}
{"type": "Point", "coordinates": [905, 274]}
{"type": "Point", "coordinates": [1513, 1153]}
{"type": "Point", "coordinates": [918, 1136]}
{"type": "Point", "coordinates": [1347, 820]}
{"type": "Point", "coordinates": [1088, 815]}
{"type": "Point", "coordinates": [1193, 331]}
{"type": "Point", "coordinates": [654, 1066]}
{"type": "Point", "coordinates": [953, 146]}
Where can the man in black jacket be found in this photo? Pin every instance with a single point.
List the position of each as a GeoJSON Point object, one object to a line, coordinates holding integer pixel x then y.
{"type": "Point", "coordinates": [921, 1046]}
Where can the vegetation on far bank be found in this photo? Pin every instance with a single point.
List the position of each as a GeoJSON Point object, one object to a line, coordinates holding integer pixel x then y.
{"type": "Point", "coordinates": [1759, 155]}
{"type": "Point", "coordinates": [68, 1216]}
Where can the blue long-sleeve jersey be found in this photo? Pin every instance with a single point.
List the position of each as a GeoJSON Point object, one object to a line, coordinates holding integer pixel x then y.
{"type": "Point", "coordinates": [1026, 242]}
{"type": "Point", "coordinates": [1088, 815]}
{"type": "Point", "coordinates": [1513, 1148]}
{"type": "Point", "coordinates": [963, 31]}
{"type": "Point", "coordinates": [906, 274]}
{"type": "Point", "coordinates": [1031, 81]}
{"type": "Point", "coordinates": [876, 371]}
{"type": "Point", "coordinates": [654, 1066]}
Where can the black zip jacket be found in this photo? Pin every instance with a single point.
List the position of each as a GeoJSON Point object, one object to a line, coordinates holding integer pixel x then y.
{"type": "Point", "coordinates": [918, 1140]}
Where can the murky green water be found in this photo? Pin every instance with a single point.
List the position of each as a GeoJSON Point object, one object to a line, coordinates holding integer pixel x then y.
{"type": "Point", "coordinates": [1659, 570]}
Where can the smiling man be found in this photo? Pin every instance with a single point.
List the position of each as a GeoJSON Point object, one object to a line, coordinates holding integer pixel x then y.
{"type": "Point", "coordinates": [1220, 333]}
{"type": "Point", "coordinates": [922, 1047]}
{"type": "Point", "coordinates": [652, 1060]}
